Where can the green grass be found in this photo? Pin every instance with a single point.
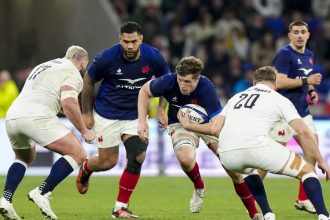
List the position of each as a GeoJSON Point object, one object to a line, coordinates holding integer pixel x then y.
{"type": "Point", "coordinates": [159, 198]}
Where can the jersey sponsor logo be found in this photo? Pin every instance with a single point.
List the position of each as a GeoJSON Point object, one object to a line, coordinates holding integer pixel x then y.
{"type": "Point", "coordinates": [145, 69]}
{"type": "Point", "coordinates": [281, 133]}
{"type": "Point", "coordinates": [176, 105]}
{"type": "Point", "coordinates": [299, 61]}
{"type": "Point", "coordinates": [306, 71]}
{"type": "Point", "coordinates": [132, 81]}
{"type": "Point", "coordinates": [119, 72]}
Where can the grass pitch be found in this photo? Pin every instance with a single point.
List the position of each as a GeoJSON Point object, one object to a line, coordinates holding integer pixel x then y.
{"type": "Point", "coordinates": [159, 198]}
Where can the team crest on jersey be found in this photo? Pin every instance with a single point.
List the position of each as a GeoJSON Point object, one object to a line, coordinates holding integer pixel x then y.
{"type": "Point", "coordinates": [299, 61]}
{"type": "Point", "coordinates": [100, 139]}
{"type": "Point", "coordinates": [119, 72]}
{"type": "Point", "coordinates": [174, 99]}
{"type": "Point", "coordinates": [311, 61]}
{"type": "Point", "coordinates": [145, 69]}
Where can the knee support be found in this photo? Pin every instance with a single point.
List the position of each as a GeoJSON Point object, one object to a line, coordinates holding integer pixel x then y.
{"type": "Point", "coordinates": [134, 147]}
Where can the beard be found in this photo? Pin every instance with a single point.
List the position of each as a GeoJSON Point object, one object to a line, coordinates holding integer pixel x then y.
{"type": "Point", "coordinates": [131, 55]}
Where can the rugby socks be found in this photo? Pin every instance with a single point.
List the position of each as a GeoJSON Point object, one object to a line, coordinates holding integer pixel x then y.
{"type": "Point", "coordinates": [61, 169]}
{"type": "Point", "coordinates": [15, 175]}
{"type": "Point", "coordinates": [257, 189]}
{"type": "Point", "coordinates": [127, 185]}
{"type": "Point", "coordinates": [314, 192]}
{"type": "Point", "coordinates": [247, 198]}
{"type": "Point", "coordinates": [195, 176]}
{"type": "Point", "coordinates": [302, 195]}
{"type": "Point", "coordinates": [85, 167]}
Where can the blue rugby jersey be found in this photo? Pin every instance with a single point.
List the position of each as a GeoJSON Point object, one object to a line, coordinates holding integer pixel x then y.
{"type": "Point", "coordinates": [295, 65]}
{"type": "Point", "coordinates": [122, 80]}
{"type": "Point", "coordinates": [204, 95]}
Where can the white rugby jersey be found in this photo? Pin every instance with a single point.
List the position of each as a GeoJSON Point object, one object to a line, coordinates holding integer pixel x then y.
{"type": "Point", "coordinates": [41, 94]}
{"type": "Point", "coordinates": [251, 114]}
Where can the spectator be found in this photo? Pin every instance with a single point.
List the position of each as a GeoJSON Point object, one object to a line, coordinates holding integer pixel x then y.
{"type": "Point", "coordinates": [8, 92]}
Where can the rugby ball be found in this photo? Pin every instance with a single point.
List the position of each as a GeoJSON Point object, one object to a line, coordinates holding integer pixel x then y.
{"type": "Point", "coordinates": [197, 113]}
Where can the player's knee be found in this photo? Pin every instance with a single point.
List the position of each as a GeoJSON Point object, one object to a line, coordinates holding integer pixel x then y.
{"type": "Point", "coordinates": [306, 169]}
{"type": "Point", "coordinates": [79, 155]}
{"type": "Point", "coordinates": [135, 151]}
{"type": "Point", "coordinates": [107, 164]}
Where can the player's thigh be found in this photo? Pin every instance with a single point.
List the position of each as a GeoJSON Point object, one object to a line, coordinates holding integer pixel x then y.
{"type": "Point", "coordinates": [18, 139]}
{"type": "Point", "coordinates": [68, 145]}
{"type": "Point", "coordinates": [182, 137]}
{"type": "Point", "coordinates": [110, 154]}
{"type": "Point", "coordinates": [108, 132]}
{"type": "Point", "coordinates": [282, 132]}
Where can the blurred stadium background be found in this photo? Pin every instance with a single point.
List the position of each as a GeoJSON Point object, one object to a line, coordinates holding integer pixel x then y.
{"type": "Point", "coordinates": [232, 37]}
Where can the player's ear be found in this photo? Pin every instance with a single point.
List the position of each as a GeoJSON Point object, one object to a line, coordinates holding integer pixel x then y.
{"type": "Point", "coordinates": [141, 38]}
{"type": "Point", "coordinates": [254, 82]}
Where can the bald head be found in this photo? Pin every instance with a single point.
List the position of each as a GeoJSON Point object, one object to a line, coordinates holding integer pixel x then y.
{"type": "Point", "coordinates": [78, 57]}
{"type": "Point", "coordinates": [76, 52]}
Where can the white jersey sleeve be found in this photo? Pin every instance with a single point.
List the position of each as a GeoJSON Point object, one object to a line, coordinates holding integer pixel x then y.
{"type": "Point", "coordinates": [41, 94]}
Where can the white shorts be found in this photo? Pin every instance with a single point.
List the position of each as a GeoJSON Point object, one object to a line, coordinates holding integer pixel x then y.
{"type": "Point", "coordinates": [272, 157]}
{"type": "Point", "coordinates": [180, 136]}
{"type": "Point", "coordinates": [23, 132]}
{"type": "Point", "coordinates": [109, 132]}
{"type": "Point", "coordinates": [283, 132]}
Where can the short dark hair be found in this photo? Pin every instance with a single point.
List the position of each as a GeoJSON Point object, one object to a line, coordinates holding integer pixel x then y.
{"type": "Point", "coordinates": [130, 27]}
{"type": "Point", "coordinates": [297, 23]}
{"type": "Point", "coordinates": [266, 73]}
{"type": "Point", "coordinates": [189, 65]}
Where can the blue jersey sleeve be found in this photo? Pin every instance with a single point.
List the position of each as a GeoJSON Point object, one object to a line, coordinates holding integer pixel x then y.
{"type": "Point", "coordinates": [282, 62]}
{"type": "Point", "coordinates": [95, 69]}
{"type": "Point", "coordinates": [211, 102]}
{"type": "Point", "coordinates": [159, 86]}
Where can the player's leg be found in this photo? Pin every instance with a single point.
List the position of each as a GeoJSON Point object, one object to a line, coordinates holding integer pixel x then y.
{"type": "Point", "coordinates": [108, 139]}
{"type": "Point", "coordinates": [302, 202]}
{"type": "Point", "coordinates": [184, 145]}
{"type": "Point", "coordinates": [135, 155]}
{"type": "Point", "coordinates": [299, 168]}
{"type": "Point", "coordinates": [240, 186]}
{"type": "Point", "coordinates": [24, 155]}
{"type": "Point", "coordinates": [57, 138]}
{"type": "Point", "coordinates": [106, 159]}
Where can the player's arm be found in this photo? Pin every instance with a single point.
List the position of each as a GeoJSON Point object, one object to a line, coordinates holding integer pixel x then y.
{"type": "Point", "coordinates": [161, 114]}
{"type": "Point", "coordinates": [71, 109]}
{"type": "Point", "coordinates": [207, 128]}
{"type": "Point", "coordinates": [87, 97]}
{"type": "Point", "coordinates": [143, 104]}
{"type": "Point", "coordinates": [284, 82]}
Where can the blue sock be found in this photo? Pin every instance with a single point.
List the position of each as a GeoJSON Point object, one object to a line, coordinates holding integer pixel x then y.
{"type": "Point", "coordinates": [313, 190]}
{"type": "Point", "coordinates": [15, 175]}
{"type": "Point", "coordinates": [61, 169]}
{"type": "Point", "coordinates": [257, 189]}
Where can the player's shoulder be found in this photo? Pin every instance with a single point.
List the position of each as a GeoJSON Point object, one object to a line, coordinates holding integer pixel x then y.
{"type": "Point", "coordinates": [308, 52]}
{"type": "Point", "coordinates": [286, 49]}
{"type": "Point", "coordinates": [149, 52]}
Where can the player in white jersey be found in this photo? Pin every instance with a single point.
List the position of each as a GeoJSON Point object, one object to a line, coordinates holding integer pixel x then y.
{"type": "Point", "coordinates": [244, 143]}
{"type": "Point", "coordinates": [51, 87]}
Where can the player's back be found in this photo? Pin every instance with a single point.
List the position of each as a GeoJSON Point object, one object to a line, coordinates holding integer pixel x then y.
{"type": "Point", "coordinates": [40, 95]}
{"type": "Point", "coordinates": [250, 115]}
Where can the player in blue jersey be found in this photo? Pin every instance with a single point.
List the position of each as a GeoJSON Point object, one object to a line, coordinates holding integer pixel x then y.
{"type": "Point", "coordinates": [185, 87]}
{"type": "Point", "coordinates": [296, 80]}
{"type": "Point", "coordinates": [123, 69]}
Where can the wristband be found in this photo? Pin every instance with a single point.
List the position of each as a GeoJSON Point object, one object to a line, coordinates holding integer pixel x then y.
{"type": "Point", "coordinates": [310, 91]}
{"type": "Point", "coordinates": [304, 81]}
